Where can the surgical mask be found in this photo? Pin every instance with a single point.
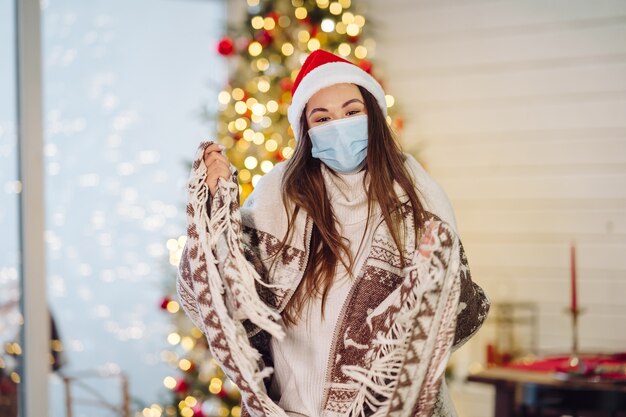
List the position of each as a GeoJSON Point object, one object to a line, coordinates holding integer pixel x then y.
{"type": "Point", "coordinates": [341, 144]}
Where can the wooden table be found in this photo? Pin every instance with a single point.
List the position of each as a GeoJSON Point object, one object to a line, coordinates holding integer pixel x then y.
{"type": "Point", "coordinates": [516, 388]}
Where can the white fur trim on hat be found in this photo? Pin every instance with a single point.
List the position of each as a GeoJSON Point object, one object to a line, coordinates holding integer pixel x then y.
{"type": "Point", "coordinates": [324, 76]}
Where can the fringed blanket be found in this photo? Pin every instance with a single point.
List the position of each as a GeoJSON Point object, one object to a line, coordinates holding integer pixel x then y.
{"type": "Point", "coordinates": [397, 327]}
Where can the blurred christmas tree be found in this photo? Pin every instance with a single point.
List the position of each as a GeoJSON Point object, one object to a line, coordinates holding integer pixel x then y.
{"type": "Point", "coordinates": [264, 55]}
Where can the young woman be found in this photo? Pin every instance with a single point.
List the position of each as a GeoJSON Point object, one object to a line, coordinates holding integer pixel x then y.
{"type": "Point", "coordinates": [341, 286]}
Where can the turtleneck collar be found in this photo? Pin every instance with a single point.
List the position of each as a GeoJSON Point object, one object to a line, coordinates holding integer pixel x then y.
{"type": "Point", "coordinates": [347, 195]}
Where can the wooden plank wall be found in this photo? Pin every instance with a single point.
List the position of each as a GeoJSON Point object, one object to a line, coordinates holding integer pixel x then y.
{"type": "Point", "coordinates": [520, 108]}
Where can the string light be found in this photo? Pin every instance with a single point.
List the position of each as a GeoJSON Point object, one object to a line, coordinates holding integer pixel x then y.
{"type": "Point", "coordinates": [184, 364]}
{"type": "Point", "coordinates": [223, 97]}
{"type": "Point", "coordinates": [284, 21]}
{"type": "Point", "coordinates": [255, 48]}
{"type": "Point", "coordinates": [169, 382]}
{"type": "Point", "coordinates": [240, 107]}
{"type": "Point", "coordinates": [269, 23]}
{"type": "Point", "coordinates": [343, 49]}
{"type": "Point", "coordinates": [303, 36]}
{"type": "Point", "coordinates": [360, 52]}
{"type": "Point", "coordinates": [271, 145]}
{"type": "Point", "coordinates": [272, 106]}
{"type": "Point", "coordinates": [322, 4]}
{"type": "Point", "coordinates": [345, 3]}
{"type": "Point", "coordinates": [328, 25]}
{"type": "Point", "coordinates": [262, 64]}
{"type": "Point", "coordinates": [347, 18]}
{"type": "Point", "coordinates": [300, 13]}
{"type": "Point", "coordinates": [313, 44]}
{"type": "Point", "coordinates": [237, 93]}
{"type": "Point", "coordinates": [353, 29]}
{"type": "Point", "coordinates": [187, 343]}
{"type": "Point", "coordinates": [266, 166]}
{"type": "Point", "coordinates": [257, 22]}
{"type": "Point", "coordinates": [335, 8]}
{"type": "Point", "coordinates": [389, 100]}
{"type": "Point", "coordinates": [173, 338]}
{"type": "Point", "coordinates": [287, 49]}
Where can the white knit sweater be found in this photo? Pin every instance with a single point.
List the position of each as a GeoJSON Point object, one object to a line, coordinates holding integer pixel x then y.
{"type": "Point", "coordinates": [300, 360]}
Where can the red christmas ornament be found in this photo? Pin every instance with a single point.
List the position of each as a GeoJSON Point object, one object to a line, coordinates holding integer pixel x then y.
{"type": "Point", "coordinates": [165, 302]}
{"type": "Point", "coordinates": [274, 15]}
{"type": "Point", "coordinates": [279, 156]}
{"type": "Point", "coordinates": [226, 47]}
{"type": "Point", "coordinates": [366, 65]}
{"type": "Point", "coordinates": [313, 31]}
{"type": "Point", "coordinates": [182, 386]}
{"type": "Point", "coordinates": [353, 39]}
{"type": "Point", "coordinates": [286, 84]}
{"type": "Point", "coordinates": [264, 38]}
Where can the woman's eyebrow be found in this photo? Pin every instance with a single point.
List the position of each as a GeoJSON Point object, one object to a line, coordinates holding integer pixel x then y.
{"type": "Point", "coordinates": [352, 100]}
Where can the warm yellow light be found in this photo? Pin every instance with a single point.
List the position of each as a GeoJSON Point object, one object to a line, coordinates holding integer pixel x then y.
{"type": "Point", "coordinates": [240, 107]}
{"type": "Point", "coordinates": [244, 176]}
{"type": "Point", "coordinates": [248, 134]}
{"type": "Point", "coordinates": [171, 244]}
{"type": "Point", "coordinates": [173, 307]}
{"type": "Point", "coordinates": [236, 411]}
{"type": "Point", "coordinates": [297, 3]}
{"type": "Point", "coordinates": [258, 138]}
{"type": "Point", "coordinates": [215, 386]}
{"type": "Point", "coordinates": [344, 50]}
{"type": "Point", "coordinates": [390, 100]}
{"type": "Point", "coordinates": [241, 123]}
{"type": "Point", "coordinates": [258, 109]}
{"type": "Point", "coordinates": [300, 13]}
{"type": "Point", "coordinates": [269, 23]}
{"type": "Point", "coordinates": [184, 364]}
{"type": "Point", "coordinates": [388, 119]}
{"type": "Point", "coordinates": [340, 28]}
{"type": "Point", "coordinates": [335, 8]}
{"type": "Point", "coordinates": [262, 64]}
{"type": "Point", "coordinates": [272, 106]}
{"type": "Point", "coordinates": [191, 401]}
{"type": "Point", "coordinates": [266, 166]}
{"type": "Point", "coordinates": [287, 152]}
{"type": "Point", "coordinates": [169, 382]}
{"type": "Point", "coordinates": [237, 93]}
{"type": "Point", "coordinates": [223, 97]}
{"type": "Point", "coordinates": [271, 145]}
{"type": "Point", "coordinates": [256, 118]}
{"type": "Point", "coordinates": [313, 44]}
{"type": "Point", "coordinates": [250, 162]}
{"type": "Point", "coordinates": [322, 4]}
{"type": "Point", "coordinates": [242, 145]}
{"type": "Point", "coordinates": [345, 3]}
{"type": "Point", "coordinates": [264, 85]}
{"type": "Point", "coordinates": [186, 412]}
{"type": "Point", "coordinates": [173, 338]}
{"type": "Point", "coordinates": [255, 48]}
{"type": "Point", "coordinates": [359, 20]}
{"type": "Point", "coordinates": [353, 29]}
{"type": "Point", "coordinates": [328, 25]}
{"type": "Point", "coordinates": [251, 102]}
{"type": "Point", "coordinates": [187, 343]}
{"type": "Point", "coordinates": [15, 377]}
{"type": "Point", "coordinates": [347, 18]}
{"type": "Point", "coordinates": [253, 3]}
{"type": "Point", "coordinates": [360, 52]}
{"type": "Point", "coordinates": [303, 36]}
{"type": "Point", "coordinates": [257, 22]}
{"type": "Point", "coordinates": [287, 49]}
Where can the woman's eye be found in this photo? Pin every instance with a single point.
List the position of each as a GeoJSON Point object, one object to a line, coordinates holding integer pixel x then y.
{"type": "Point", "coordinates": [351, 112]}
{"type": "Point", "coordinates": [321, 119]}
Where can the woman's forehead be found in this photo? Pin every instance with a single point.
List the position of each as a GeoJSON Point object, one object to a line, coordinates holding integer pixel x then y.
{"type": "Point", "coordinates": [335, 94]}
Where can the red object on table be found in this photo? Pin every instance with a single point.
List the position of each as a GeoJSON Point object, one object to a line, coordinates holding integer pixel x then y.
{"type": "Point", "coordinates": [574, 304]}
{"type": "Point", "coordinates": [607, 367]}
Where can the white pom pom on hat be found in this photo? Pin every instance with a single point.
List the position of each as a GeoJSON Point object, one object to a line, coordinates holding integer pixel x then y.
{"type": "Point", "coordinates": [322, 69]}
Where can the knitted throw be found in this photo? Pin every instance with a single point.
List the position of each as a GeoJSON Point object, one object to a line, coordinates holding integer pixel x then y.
{"type": "Point", "coordinates": [397, 327]}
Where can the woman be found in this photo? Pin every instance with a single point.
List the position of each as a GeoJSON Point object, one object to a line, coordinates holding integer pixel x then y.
{"type": "Point", "coordinates": [335, 289]}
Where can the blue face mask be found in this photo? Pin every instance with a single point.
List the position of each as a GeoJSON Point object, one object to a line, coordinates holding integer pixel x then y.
{"type": "Point", "coordinates": [341, 144]}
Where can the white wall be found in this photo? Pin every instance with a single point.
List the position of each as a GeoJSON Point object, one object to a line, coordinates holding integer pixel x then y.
{"type": "Point", "coordinates": [520, 107]}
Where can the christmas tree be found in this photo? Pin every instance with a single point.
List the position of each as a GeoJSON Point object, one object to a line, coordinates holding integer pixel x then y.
{"type": "Point", "coordinates": [264, 55]}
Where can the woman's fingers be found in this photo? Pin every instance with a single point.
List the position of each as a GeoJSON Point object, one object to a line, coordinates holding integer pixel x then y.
{"type": "Point", "coordinates": [217, 165]}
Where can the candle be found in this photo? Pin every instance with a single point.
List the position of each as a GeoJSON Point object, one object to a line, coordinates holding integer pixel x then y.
{"type": "Point", "coordinates": [574, 303]}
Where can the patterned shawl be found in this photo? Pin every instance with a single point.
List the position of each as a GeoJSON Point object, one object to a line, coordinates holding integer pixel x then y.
{"type": "Point", "coordinates": [396, 329]}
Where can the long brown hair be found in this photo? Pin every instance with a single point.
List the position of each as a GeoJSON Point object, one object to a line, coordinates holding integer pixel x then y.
{"type": "Point", "coordinates": [303, 189]}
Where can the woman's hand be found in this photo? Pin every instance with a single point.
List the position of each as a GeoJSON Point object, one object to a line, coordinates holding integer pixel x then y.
{"type": "Point", "coordinates": [217, 165]}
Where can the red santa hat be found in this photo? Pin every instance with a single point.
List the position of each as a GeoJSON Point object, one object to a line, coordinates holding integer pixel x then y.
{"type": "Point", "coordinates": [322, 69]}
